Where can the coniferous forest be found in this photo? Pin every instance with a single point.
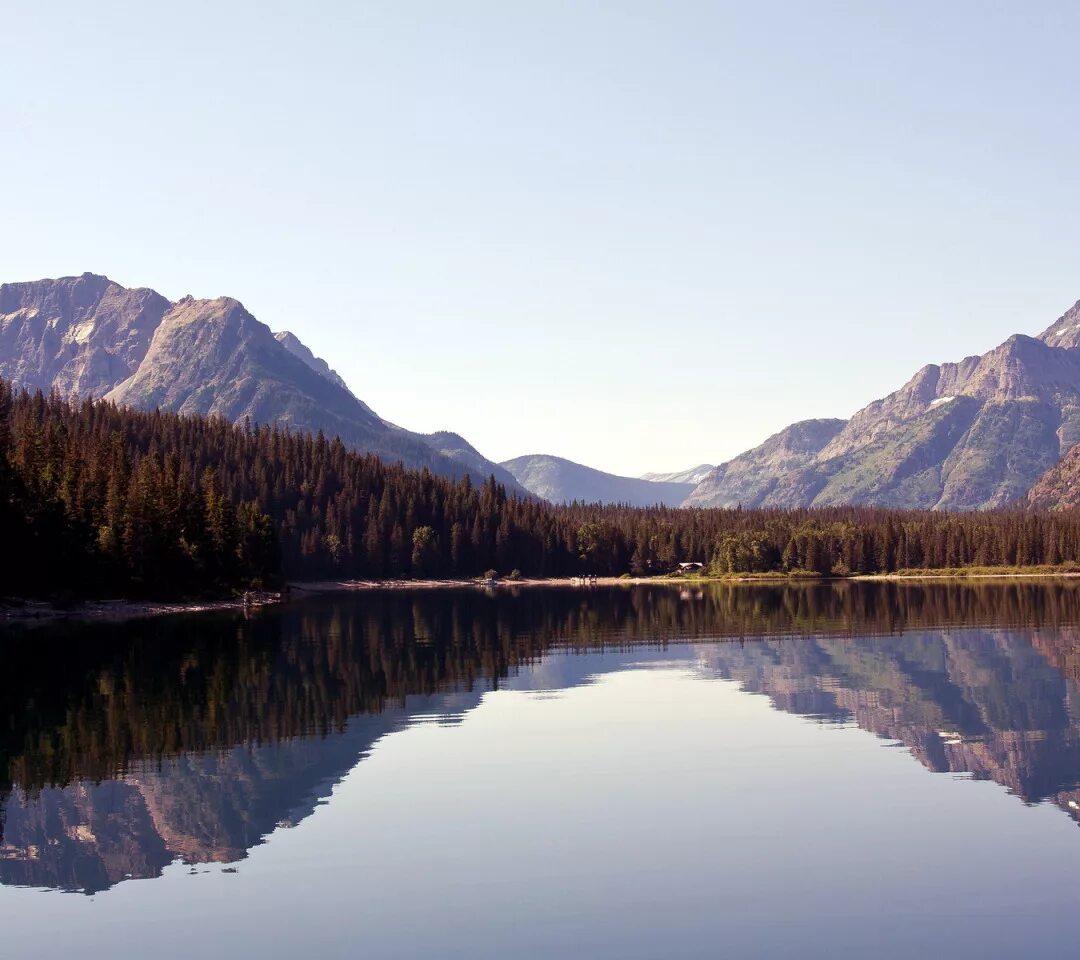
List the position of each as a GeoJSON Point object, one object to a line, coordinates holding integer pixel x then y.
{"type": "Point", "coordinates": [98, 501]}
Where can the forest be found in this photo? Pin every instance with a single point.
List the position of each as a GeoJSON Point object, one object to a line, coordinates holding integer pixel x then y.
{"type": "Point", "coordinates": [100, 501]}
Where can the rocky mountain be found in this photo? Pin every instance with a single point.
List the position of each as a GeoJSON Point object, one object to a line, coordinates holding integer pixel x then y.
{"type": "Point", "coordinates": [962, 436]}
{"type": "Point", "coordinates": [1059, 487]}
{"type": "Point", "coordinates": [563, 481]}
{"type": "Point", "coordinates": [90, 336]}
{"type": "Point", "coordinates": [694, 475]}
{"type": "Point", "coordinates": [81, 335]}
{"type": "Point", "coordinates": [769, 472]}
{"type": "Point", "coordinates": [291, 343]}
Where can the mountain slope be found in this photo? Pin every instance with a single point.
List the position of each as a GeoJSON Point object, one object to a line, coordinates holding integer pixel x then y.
{"type": "Point", "coordinates": [563, 481]}
{"type": "Point", "coordinates": [80, 335]}
{"type": "Point", "coordinates": [292, 343]}
{"type": "Point", "coordinates": [458, 449]}
{"type": "Point", "coordinates": [773, 472]}
{"type": "Point", "coordinates": [968, 435]}
{"type": "Point", "coordinates": [90, 336]}
{"type": "Point", "coordinates": [1059, 487]}
{"type": "Point", "coordinates": [213, 357]}
{"type": "Point", "coordinates": [694, 475]}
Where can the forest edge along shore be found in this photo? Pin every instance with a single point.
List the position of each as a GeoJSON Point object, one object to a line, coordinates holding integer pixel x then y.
{"type": "Point", "coordinates": [18, 610]}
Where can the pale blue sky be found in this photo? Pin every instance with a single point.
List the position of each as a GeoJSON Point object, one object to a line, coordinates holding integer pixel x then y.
{"type": "Point", "coordinates": [639, 235]}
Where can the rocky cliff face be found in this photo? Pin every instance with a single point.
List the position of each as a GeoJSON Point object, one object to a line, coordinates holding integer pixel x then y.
{"type": "Point", "coordinates": [1059, 487]}
{"type": "Point", "coordinates": [81, 335]}
{"type": "Point", "coordinates": [778, 471]}
{"type": "Point", "coordinates": [962, 436]}
{"type": "Point", "coordinates": [213, 357]}
{"type": "Point", "coordinates": [90, 336]}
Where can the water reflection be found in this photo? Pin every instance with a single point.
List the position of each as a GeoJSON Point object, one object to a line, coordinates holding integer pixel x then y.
{"type": "Point", "coordinates": [125, 748]}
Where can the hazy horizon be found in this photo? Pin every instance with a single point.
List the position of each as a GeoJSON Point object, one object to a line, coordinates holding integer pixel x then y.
{"type": "Point", "coordinates": [639, 238]}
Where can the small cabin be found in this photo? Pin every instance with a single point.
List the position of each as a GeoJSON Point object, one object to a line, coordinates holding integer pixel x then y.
{"type": "Point", "coordinates": [691, 566]}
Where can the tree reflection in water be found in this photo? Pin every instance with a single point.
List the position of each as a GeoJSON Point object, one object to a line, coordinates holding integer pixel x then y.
{"type": "Point", "coordinates": [126, 747]}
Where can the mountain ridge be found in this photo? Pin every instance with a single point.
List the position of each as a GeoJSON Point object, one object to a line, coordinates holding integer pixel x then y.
{"type": "Point", "coordinates": [559, 480]}
{"type": "Point", "coordinates": [971, 434]}
{"type": "Point", "coordinates": [975, 433]}
{"type": "Point", "coordinates": [89, 336]}
{"type": "Point", "coordinates": [694, 475]}
{"type": "Point", "coordinates": [293, 344]}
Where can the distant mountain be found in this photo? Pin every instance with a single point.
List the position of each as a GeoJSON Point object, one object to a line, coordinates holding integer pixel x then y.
{"type": "Point", "coordinates": [459, 450]}
{"type": "Point", "coordinates": [563, 481]}
{"type": "Point", "coordinates": [959, 436]}
{"type": "Point", "coordinates": [694, 475]}
{"type": "Point", "coordinates": [88, 335]}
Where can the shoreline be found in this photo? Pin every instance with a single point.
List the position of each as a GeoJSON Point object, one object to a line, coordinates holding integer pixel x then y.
{"type": "Point", "coordinates": [349, 586]}
{"type": "Point", "coordinates": [929, 575]}
{"type": "Point", "coordinates": [32, 611]}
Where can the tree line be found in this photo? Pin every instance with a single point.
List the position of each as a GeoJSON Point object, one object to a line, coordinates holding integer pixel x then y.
{"type": "Point", "coordinates": [96, 500]}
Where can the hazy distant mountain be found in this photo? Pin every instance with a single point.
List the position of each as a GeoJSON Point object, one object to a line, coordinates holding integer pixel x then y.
{"type": "Point", "coordinates": [694, 475]}
{"type": "Point", "coordinates": [965, 435]}
{"type": "Point", "coordinates": [562, 481]}
{"type": "Point", "coordinates": [458, 449]}
{"type": "Point", "coordinates": [91, 336]}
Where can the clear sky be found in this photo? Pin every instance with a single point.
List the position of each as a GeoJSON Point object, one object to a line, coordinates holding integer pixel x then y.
{"type": "Point", "coordinates": [638, 235]}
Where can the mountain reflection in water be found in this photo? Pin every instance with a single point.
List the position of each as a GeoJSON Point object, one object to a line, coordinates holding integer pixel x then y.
{"type": "Point", "coordinates": [126, 747]}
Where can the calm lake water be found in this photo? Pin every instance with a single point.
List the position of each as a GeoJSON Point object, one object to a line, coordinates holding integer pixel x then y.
{"type": "Point", "coordinates": [805, 771]}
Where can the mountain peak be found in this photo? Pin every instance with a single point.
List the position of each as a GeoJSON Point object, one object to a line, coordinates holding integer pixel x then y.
{"type": "Point", "coordinates": [965, 435]}
{"type": "Point", "coordinates": [297, 348]}
{"type": "Point", "coordinates": [90, 336]}
{"type": "Point", "coordinates": [82, 335]}
{"type": "Point", "coordinates": [1065, 331]}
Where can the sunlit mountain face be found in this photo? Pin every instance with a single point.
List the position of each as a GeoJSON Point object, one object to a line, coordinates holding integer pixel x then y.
{"type": "Point", "coordinates": [129, 748]}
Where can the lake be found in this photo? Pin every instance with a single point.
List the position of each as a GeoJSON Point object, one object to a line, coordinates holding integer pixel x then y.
{"type": "Point", "coordinates": [884, 770]}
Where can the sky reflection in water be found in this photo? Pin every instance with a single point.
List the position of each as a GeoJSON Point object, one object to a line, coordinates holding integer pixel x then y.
{"type": "Point", "coordinates": [647, 772]}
